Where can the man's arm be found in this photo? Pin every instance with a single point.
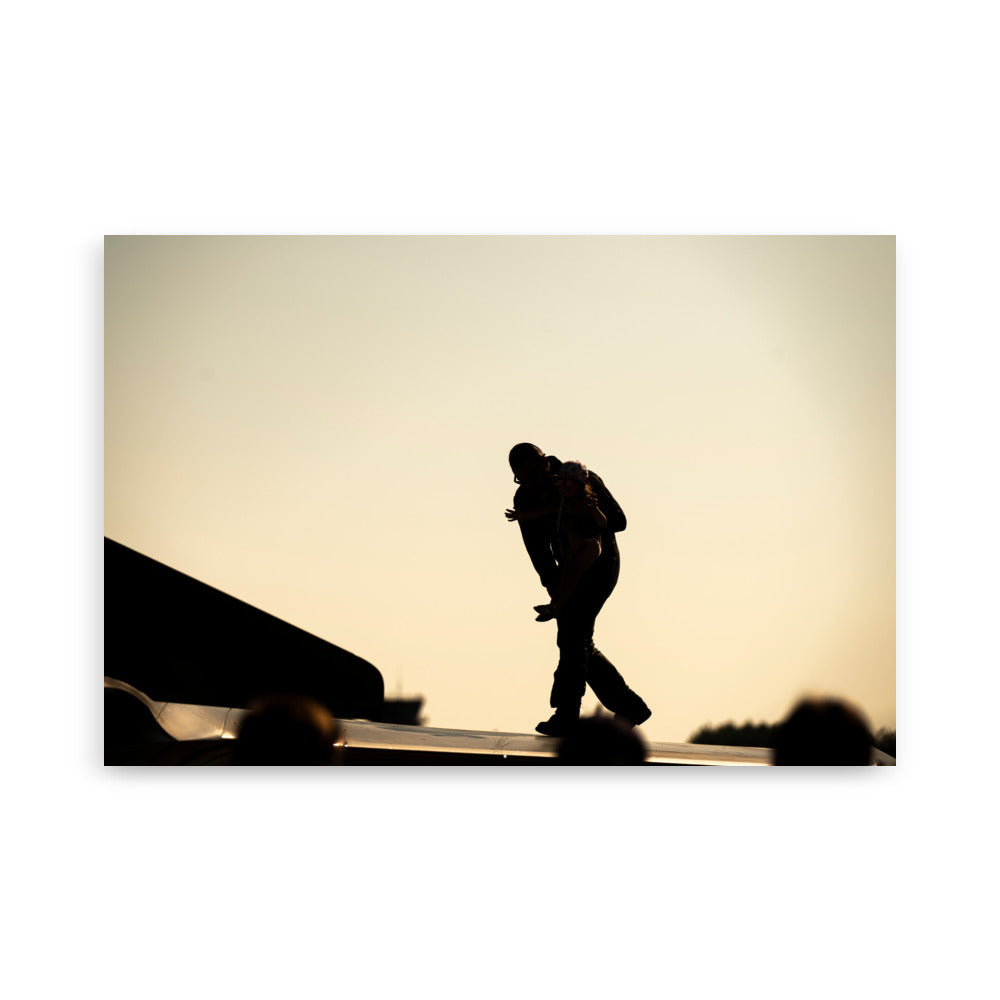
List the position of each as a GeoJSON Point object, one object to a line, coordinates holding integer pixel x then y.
{"type": "Point", "coordinates": [536, 533]}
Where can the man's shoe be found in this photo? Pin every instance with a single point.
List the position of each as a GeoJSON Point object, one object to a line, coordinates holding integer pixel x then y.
{"type": "Point", "coordinates": [632, 723]}
{"type": "Point", "coordinates": [558, 725]}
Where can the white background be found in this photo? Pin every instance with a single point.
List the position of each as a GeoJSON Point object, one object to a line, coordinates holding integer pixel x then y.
{"type": "Point", "coordinates": [541, 117]}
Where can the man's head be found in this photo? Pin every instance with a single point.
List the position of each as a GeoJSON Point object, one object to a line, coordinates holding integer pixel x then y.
{"type": "Point", "coordinates": [528, 463]}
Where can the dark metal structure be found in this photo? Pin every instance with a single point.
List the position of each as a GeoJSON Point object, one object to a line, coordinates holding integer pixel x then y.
{"type": "Point", "coordinates": [180, 640]}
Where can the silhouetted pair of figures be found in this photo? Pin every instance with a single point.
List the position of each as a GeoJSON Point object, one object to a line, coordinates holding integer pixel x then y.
{"type": "Point", "coordinates": [568, 524]}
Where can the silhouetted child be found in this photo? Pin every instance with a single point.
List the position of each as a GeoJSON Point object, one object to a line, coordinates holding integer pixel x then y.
{"type": "Point", "coordinates": [579, 522]}
{"type": "Point", "coordinates": [823, 731]}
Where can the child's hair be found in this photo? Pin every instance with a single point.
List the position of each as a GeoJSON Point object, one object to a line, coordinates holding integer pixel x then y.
{"type": "Point", "coordinates": [574, 470]}
{"type": "Point", "coordinates": [577, 472]}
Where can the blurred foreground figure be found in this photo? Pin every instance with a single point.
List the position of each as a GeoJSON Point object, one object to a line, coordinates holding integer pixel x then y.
{"type": "Point", "coordinates": [823, 731]}
{"type": "Point", "coordinates": [287, 729]}
{"type": "Point", "coordinates": [602, 740]}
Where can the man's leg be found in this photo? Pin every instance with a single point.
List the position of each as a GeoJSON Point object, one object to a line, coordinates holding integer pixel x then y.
{"type": "Point", "coordinates": [602, 675]}
{"type": "Point", "coordinates": [612, 691]}
{"type": "Point", "coordinates": [570, 679]}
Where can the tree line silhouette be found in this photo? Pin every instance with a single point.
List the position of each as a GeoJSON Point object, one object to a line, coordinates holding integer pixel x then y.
{"type": "Point", "coordinates": [761, 734]}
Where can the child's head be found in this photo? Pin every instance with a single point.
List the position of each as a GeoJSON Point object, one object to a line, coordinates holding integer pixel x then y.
{"type": "Point", "coordinates": [574, 472]}
{"type": "Point", "coordinates": [573, 477]}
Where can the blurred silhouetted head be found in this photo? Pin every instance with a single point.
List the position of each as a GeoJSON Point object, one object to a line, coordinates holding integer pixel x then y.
{"type": "Point", "coordinates": [823, 731]}
{"type": "Point", "coordinates": [527, 462]}
{"type": "Point", "coordinates": [286, 729]}
{"type": "Point", "coordinates": [601, 740]}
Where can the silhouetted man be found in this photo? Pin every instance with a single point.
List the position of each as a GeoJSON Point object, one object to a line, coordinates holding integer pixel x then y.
{"type": "Point", "coordinates": [580, 662]}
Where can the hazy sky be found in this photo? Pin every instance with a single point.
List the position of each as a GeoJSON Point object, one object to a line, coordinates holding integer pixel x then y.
{"type": "Point", "coordinates": [320, 426]}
